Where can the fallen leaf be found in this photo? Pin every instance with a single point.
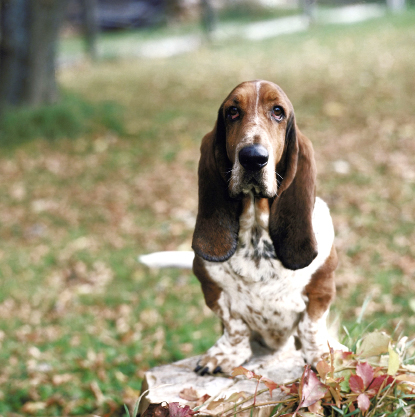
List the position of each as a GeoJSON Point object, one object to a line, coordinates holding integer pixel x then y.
{"type": "Point", "coordinates": [336, 396]}
{"type": "Point", "coordinates": [356, 384]}
{"type": "Point", "coordinates": [240, 370]}
{"type": "Point", "coordinates": [344, 384]}
{"type": "Point", "coordinates": [176, 410]}
{"type": "Point", "coordinates": [271, 385]}
{"type": "Point", "coordinates": [316, 408]}
{"type": "Point", "coordinates": [406, 378]}
{"type": "Point", "coordinates": [374, 344]}
{"type": "Point", "coordinates": [156, 410]}
{"type": "Point", "coordinates": [312, 389]}
{"type": "Point", "coordinates": [363, 403]}
{"type": "Point", "coordinates": [285, 390]}
{"type": "Point", "coordinates": [215, 404]}
{"type": "Point", "coordinates": [323, 368]}
{"type": "Point", "coordinates": [376, 384]}
{"type": "Point", "coordinates": [394, 361]}
{"type": "Point", "coordinates": [189, 394]}
{"type": "Point", "coordinates": [235, 397]}
{"type": "Point", "coordinates": [202, 399]}
{"type": "Point", "coordinates": [365, 371]}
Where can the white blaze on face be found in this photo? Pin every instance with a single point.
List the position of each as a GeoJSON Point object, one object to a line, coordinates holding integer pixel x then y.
{"type": "Point", "coordinates": [258, 87]}
{"type": "Point", "coordinates": [255, 132]}
{"type": "Point", "coordinates": [269, 182]}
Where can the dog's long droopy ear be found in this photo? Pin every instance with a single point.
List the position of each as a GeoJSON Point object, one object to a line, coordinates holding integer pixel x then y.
{"type": "Point", "coordinates": [290, 224]}
{"type": "Point", "coordinates": [217, 224]}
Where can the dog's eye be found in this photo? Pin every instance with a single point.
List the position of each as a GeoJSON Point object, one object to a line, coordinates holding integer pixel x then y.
{"type": "Point", "coordinates": [233, 113]}
{"type": "Point", "coordinates": [277, 113]}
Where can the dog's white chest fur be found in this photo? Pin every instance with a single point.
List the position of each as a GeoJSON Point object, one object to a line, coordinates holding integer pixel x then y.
{"type": "Point", "coordinates": [256, 287]}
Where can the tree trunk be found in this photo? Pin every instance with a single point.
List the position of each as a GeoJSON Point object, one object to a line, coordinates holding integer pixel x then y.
{"type": "Point", "coordinates": [309, 8]}
{"type": "Point", "coordinates": [89, 12]}
{"type": "Point", "coordinates": [29, 32]}
{"type": "Point", "coordinates": [208, 18]}
{"type": "Point", "coordinates": [173, 9]}
{"type": "Point", "coordinates": [396, 5]}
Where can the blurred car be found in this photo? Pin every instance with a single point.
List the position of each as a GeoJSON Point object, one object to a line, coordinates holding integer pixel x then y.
{"type": "Point", "coordinates": [121, 14]}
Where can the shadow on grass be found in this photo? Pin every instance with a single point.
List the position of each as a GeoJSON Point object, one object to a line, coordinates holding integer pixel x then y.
{"type": "Point", "coordinates": [70, 118]}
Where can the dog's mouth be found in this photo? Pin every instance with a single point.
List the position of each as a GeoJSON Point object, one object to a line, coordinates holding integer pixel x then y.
{"type": "Point", "coordinates": [254, 182]}
{"type": "Point", "coordinates": [253, 185]}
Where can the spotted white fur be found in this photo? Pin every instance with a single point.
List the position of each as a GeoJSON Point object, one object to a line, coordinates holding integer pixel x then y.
{"type": "Point", "coordinates": [262, 299]}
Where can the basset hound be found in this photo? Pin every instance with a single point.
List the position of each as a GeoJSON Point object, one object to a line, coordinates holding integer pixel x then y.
{"type": "Point", "coordinates": [263, 242]}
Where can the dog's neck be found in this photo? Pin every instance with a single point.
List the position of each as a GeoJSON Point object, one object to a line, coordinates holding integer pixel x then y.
{"type": "Point", "coordinates": [255, 213]}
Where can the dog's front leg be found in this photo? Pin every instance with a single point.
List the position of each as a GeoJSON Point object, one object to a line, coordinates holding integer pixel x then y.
{"type": "Point", "coordinates": [233, 348]}
{"type": "Point", "coordinates": [313, 337]}
{"type": "Point", "coordinates": [312, 329]}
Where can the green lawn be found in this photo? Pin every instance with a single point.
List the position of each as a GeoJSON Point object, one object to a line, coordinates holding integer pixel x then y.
{"type": "Point", "coordinates": [81, 320]}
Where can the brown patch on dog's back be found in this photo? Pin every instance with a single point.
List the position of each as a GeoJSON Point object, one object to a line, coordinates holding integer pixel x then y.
{"type": "Point", "coordinates": [210, 289]}
{"type": "Point", "coordinates": [321, 289]}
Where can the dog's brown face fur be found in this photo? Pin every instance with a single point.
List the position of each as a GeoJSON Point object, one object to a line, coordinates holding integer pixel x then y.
{"type": "Point", "coordinates": [255, 112]}
{"type": "Point", "coordinates": [256, 147]}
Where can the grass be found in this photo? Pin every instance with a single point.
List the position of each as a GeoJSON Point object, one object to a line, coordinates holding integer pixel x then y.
{"type": "Point", "coordinates": [71, 117]}
{"type": "Point", "coordinates": [80, 319]}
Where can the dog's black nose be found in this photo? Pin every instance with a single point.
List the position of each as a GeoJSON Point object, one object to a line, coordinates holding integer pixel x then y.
{"type": "Point", "coordinates": [253, 157]}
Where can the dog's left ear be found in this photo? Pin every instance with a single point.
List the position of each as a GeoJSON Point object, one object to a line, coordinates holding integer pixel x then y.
{"type": "Point", "coordinates": [290, 226]}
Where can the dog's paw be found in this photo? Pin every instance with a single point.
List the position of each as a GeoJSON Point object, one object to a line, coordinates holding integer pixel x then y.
{"type": "Point", "coordinates": [223, 358]}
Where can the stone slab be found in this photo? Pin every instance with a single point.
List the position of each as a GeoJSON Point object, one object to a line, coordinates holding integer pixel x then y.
{"type": "Point", "coordinates": [167, 381]}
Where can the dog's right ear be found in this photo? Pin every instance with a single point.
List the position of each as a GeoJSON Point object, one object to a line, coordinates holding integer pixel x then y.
{"type": "Point", "coordinates": [217, 225]}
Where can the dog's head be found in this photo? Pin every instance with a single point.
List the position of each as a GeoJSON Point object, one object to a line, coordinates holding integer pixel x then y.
{"type": "Point", "coordinates": [256, 116]}
{"type": "Point", "coordinates": [256, 147]}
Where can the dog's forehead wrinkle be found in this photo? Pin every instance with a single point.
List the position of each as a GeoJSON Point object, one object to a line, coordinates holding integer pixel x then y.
{"type": "Point", "coordinates": [242, 93]}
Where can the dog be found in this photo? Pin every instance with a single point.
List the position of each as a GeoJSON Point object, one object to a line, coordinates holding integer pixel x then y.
{"type": "Point", "coordinates": [263, 241]}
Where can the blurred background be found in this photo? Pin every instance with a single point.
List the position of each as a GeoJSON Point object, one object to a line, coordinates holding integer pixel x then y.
{"type": "Point", "coordinates": [103, 105]}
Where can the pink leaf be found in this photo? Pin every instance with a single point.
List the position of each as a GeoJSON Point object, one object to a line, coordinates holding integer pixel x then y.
{"type": "Point", "coordinates": [365, 371]}
{"type": "Point", "coordinates": [176, 410]}
{"type": "Point", "coordinates": [312, 389]}
{"type": "Point", "coordinates": [323, 368]}
{"type": "Point", "coordinates": [363, 402]}
{"type": "Point", "coordinates": [375, 385]}
{"type": "Point", "coordinates": [271, 385]}
{"type": "Point", "coordinates": [356, 384]}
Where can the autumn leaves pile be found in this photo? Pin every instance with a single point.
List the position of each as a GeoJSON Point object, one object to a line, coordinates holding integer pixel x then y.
{"type": "Point", "coordinates": [373, 382]}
